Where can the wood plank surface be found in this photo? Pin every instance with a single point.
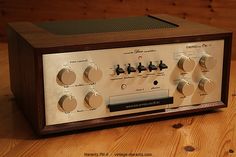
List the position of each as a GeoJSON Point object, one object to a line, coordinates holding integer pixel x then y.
{"type": "Point", "coordinates": [219, 13]}
{"type": "Point", "coordinates": [203, 135]}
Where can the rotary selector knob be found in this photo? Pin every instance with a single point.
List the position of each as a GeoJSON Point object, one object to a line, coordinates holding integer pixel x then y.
{"type": "Point", "coordinates": [186, 64]}
{"type": "Point", "coordinates": [207, 61]}
{"type": "Point", "coordinates": [185, 88]}
{"type": "Point", "coordinates": [67, 103]}
{"type": "Point", "coordinates": [93, 99]}
{"type": "Point", "coordinates": [93, 73]}
{"type": "Point", "coordinates": [66, 76]}
{"type": "Point", "coordinates": [206, 85]}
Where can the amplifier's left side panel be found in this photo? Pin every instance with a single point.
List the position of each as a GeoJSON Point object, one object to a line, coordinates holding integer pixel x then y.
{"type": "Point", "coordinates": [23, 81]}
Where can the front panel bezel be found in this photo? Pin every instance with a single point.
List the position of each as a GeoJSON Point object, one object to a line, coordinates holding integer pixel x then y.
{"type": "Point", "coordinates": [43, 129]}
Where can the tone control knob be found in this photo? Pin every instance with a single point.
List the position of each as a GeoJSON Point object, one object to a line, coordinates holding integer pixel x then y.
{"type": "Point", "coordinates": [66, 76]}
{"type": "Point", "coordinates": [93, 99]}
{"type": "Point", "coordinates": [186, 64]}
{"type": "Point", "coordinates": [67, 103]}
{"type": "Point", "coordinates": [206, 85]}
{"type": "Point", "coordinates": [93, 74]}
{"type": "Point", "coordinates": [185, 88]}
{"type": "Point", "coordinates": [207, 61]}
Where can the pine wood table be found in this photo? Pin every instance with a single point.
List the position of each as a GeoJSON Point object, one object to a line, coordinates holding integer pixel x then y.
{"type": "Point", "coordinates": [202, 135]}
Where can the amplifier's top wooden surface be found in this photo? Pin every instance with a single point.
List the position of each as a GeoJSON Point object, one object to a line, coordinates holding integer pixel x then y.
{"type": "Point", "coordinates": [206, 135]}
{"type": "Point", "coordinates": [48, 35]}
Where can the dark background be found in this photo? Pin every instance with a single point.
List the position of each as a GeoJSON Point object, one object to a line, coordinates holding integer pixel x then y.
{"type": "Point", "coordinates": [220, 13]}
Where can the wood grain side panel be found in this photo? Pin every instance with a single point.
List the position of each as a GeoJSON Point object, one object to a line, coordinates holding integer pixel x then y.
{"type": "Point", "coordinates": [13, 60]}
{"type": "Point", "coordinates": [226, 69]}
{"type": "Point", "coordinates": [23, 76]}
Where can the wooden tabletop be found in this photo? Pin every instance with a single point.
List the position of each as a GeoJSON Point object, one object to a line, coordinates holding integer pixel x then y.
{"type": "Point", "coordinates": [202, 135]}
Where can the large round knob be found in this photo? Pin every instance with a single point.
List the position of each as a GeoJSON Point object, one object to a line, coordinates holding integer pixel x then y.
{"type": "Point", "coordinates": [206, 85]}
{"type": "Point", "coordinates": [93, 74]}
{"type": "Point", "coordinates": [67, 103]}
{"type": "Point", "coordinates": [186, 64]}
{"type": "Point", "coordinates": [207, 61]}
{"type": "Point", "coordinates": [185, 88]}
{"type": "Point", "coordinates": [93, 99]}
{"type": "Point", "coordinates": [66, 76]}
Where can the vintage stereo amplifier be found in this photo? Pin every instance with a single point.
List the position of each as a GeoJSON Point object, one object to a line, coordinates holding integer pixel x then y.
{"type": "Point", "coordinates": [74, 75]}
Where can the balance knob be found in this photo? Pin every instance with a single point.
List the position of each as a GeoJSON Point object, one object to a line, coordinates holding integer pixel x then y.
{"type": "Point", "coordinates": [186, 64]}
{"type": "Point", "coordinates": [207, 61]}
{"type": "Point", "coordinates": [67, 103]}
{"type": "Point", "coordinates": [185, 88]}
{"type": "Point", "coordinates": [93, 74]}
{"type": "Point", "coordinates": [93, 99]}
{"type": "Point", "coordinates": [66, 76]}
{"type": "Point", "coordinates": [206, 85]}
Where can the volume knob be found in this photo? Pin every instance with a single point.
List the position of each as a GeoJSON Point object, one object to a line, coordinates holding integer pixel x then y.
{"type": "Point", "coordinates": [206, 85]}
{"type": "Point", "coordinates": [207, 61]}
{"type": "Point", "coordinates": [67, 103]}
{"type": "Point", "coordinates": [186, 64]}
{"type": "Point", "coordinates": [185, 88]}
{"type": "Point", "coordinates": [93, 99]}
{"type": "Point", "coordinates": [66, 76]}
{"type": "Point", "coordinates": [93, 74]}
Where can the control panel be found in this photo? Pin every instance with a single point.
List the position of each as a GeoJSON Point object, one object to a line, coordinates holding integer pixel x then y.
{"type": "Point", "coordinates": [93, 84]}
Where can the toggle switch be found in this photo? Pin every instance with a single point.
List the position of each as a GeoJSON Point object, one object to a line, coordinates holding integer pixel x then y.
{"type": "Point", "coordinates": [119, 70]}
{"type": "Point", "coordinates": [162, 65]}
{"type": "Point", "coordinates": [152, 67]}
{"type": "Point", "coordinates": [141, 68]}
{"type": "Point", "coordinates": [130, 69]}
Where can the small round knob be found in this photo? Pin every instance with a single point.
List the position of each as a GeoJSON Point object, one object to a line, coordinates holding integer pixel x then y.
{"type": "Point", "coordinates": [207, 61]}
{"type": "Point", "coordinates": [93, 74]}
{"type": "Point", "coordinates": [206, 85]}
{"type": "Point", "coordinates": [67, 103]}
{"type": "Point", "coordinates": [185, 88]}
{"type": "Point", "coordinates": [93, 99]}
{"type": "Point", "coordinates": [66, 76]}
{"type": "Point", "coordinates": [186, 64]}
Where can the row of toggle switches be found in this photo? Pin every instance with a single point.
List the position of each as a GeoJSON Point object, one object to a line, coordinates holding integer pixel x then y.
{"type": "Point", "coordinates": [185, 63]}
{"type": "Point", "coordinates": [141, 68]}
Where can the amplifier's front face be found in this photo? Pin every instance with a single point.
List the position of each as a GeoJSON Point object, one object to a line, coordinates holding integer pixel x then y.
{"type": "Point", "coordinates": [86, 85]}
